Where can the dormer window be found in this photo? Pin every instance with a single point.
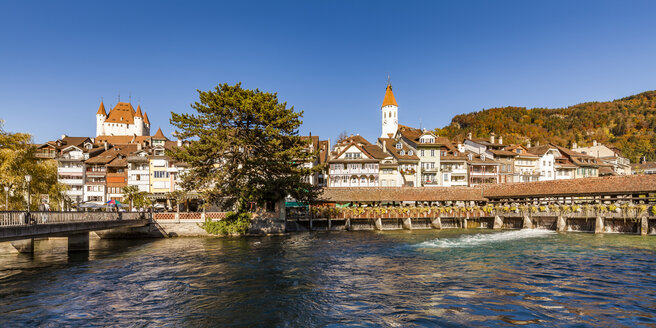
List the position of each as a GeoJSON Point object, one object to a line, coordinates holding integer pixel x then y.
{"type": "Point", "coordinates": [398, 145]}
{"type": "Point", "coordinates": [401, 153]}
{"type": "Point", "coordinates": [410, 152]}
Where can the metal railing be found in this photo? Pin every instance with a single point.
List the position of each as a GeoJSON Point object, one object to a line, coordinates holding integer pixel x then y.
{"type": "Point", "coordinates": [19, 218]}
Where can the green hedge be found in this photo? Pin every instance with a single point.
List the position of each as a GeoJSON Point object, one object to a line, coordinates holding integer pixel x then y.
{"type": "Point", "coordinates": [233, 224]}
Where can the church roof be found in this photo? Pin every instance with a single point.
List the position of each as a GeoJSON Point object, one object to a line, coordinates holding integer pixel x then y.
{"type": "Point", "coordinates": [389, 97]}
{"type": "Point", "coordinates": [139, 114]}
{"type": "Point", "coordinates": [101, 109]}
{"type": "Point", "coordinates": [121, 113]}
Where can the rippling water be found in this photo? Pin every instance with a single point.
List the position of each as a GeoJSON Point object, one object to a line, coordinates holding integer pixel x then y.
{"type": "Point", "coordinates": [364, 279]}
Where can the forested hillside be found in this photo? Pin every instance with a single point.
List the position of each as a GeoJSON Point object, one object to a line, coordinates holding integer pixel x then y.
{"type": "Point", "coordinates": [628, 124]}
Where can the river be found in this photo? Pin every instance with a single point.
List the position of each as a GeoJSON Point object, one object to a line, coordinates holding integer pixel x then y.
{"type": "Point", "coordinates": [362, 279]}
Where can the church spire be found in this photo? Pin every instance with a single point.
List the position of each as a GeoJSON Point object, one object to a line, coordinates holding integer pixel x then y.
{"type": "Point", "coordinates": [389, 96]}
{"type": "Point", "coordinates": [139, 114]}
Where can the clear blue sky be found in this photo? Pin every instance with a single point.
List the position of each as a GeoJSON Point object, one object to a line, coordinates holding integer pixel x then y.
{"type": "Point", "coordinates": [328, 58]}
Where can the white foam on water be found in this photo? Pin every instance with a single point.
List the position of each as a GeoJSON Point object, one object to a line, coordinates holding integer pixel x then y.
{"type": "Point", "coordinates": [485, 238]}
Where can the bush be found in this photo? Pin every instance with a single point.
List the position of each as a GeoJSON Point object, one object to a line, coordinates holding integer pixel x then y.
{"type": "Point", "coordinates": [233, 224]}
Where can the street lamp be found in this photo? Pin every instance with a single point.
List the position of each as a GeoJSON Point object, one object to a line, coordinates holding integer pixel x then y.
{"type": "Point", "coordinates": [6, 198]}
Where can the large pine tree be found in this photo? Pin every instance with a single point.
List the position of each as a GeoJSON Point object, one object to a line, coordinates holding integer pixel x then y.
{"type": "Point", "coordinates": [245, 147]}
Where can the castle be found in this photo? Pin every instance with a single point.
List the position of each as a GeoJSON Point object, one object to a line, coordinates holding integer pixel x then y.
{"type": "Point", "coordinates": [122, 120]}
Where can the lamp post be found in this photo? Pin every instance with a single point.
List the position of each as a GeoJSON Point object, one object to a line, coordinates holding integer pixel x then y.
{"type": "Point", "coordinates": [6, 198]}
{"type": "Point", "coordinates": [28, 178]}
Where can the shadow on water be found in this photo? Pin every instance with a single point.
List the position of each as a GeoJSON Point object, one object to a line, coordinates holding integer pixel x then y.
{"type": "Point", "coordinates": [393, 278]}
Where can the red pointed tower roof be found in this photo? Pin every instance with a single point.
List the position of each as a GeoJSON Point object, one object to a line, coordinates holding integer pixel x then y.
{"type": "Point", "coordinates": [101, 109]}
{"type": "Point", "coordinates": [159, 134]}
{"type": "Point", "coordinates": [389, 97]}
{"type": "Point", "coordinates": [146, 118]}
{"type": "Point", "coordinates": [139, 114]}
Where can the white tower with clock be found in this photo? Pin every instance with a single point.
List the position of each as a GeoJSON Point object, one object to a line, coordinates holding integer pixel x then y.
{"type": "Point", "coordinates": [389, 111]}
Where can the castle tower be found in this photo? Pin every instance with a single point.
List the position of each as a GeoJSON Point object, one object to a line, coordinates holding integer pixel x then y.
{"type": "Point", "coordinates": [101, 116]}
{"type": "Point", "coordinates": [146, 125]}
{"type": "Point", "coordinates": [389, 112]}
{"type": "Point", "coordinates": [139, 124]}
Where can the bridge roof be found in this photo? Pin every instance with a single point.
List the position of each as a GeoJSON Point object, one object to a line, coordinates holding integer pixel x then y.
{"type": "Point", "coordinates": [389, 194]}
{"type": "Point", "coordinates": [612, 185]}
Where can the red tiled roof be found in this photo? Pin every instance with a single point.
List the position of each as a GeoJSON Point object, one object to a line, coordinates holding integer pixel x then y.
{"type": "Point", "coordinates": [159, 134]}
{"type": "Point", "coordinates": [390, 145]}
{"type": "Point", "coordinates": [382, 194]}
{"type": "Point", "coordinates": [575, 187]}
{"type": "Point", "coordinates": [101, 109]}
{"type": "Point", "coordinates": [121, 113]}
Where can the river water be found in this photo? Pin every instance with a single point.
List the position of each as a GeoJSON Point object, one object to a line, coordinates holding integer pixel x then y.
{"type": "Point", "coordinates": [362, 279]}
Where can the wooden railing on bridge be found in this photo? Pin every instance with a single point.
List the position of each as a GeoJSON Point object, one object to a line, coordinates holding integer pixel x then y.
{"type": "Point", "coordinates": [21, 218]}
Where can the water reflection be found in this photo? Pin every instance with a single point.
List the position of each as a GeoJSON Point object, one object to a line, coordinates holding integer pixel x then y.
{"type": "Point", "coordinates": [423, 278]}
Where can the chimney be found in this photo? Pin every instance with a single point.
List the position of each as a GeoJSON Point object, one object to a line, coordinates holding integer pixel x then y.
{"type": "Point", "coordinates": [469, 135]}
{"type": "Point", "coordinates": [180, 141]}
{"type": "Point", "coordinates": [492, 137]}
{"type": "Point", "coordinates": [105, 144]}
{"type": "Point", "coordinates": [528, 145]}
{"type": "Point", "coordinates": [537, 143]}
{"type": "Point", "coordinates": [384, 146]}
{"type": "Point", "coordinates": [64, 136]}
{"type": "Point", "coordinates": [575, 145]}
{"type": "Point", "coordinates": [500, 140]}
{"type": "Point", "coordinates": [139, 146]}
{"type": "Point", "coordinates": [594, 143]}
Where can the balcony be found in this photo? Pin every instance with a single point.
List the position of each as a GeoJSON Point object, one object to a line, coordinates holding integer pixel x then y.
{"type": "Point", "coordinates": [79, 170]}
{"type": "Point", "coordinates": [72, 182]}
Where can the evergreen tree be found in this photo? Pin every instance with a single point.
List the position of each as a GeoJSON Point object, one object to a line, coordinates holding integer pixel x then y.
{"type": "Point", "coordinates": [245, 148]}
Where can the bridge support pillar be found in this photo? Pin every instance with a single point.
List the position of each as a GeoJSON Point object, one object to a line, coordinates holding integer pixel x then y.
{"type": "Point", "coordinates": [330, 224]}
{"type": "Point", "coordinates": [347, 224]}
{"type": "Point", "coordinates": [24, 245]}
{"type": "Point", "coordinates": [599, 225]}
{"type": "Point", "coordinates": [644, 225]}
{"type": "Point", "coordinates": [407, 224]}
{"type": "Point", "coordinates": [561, 223]}
{"type": "Point", "coordinates": [437, 223]}
{"type": "Point", "coordinates": [498, 222]}
{"type": "Point", "coordinates": [378, 223]}
{"type": "Point", "coordinates": [78, 242]}
{"type": "Point", "coordinates": [527, 223]}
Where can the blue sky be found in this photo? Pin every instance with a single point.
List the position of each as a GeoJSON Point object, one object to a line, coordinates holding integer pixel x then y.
{"type": "Point", "coordinates": [328, 58]}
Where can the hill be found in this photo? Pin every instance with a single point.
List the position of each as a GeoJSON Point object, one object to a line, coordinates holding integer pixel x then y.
{"type": "Point", "coordinates": [628, 124]}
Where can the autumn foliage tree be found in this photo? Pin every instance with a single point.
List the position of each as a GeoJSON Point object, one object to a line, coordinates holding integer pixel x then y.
{"type": "Point", "coordinates": [245, 147]}
{"type": "Point", "coordinates": [17, 159]}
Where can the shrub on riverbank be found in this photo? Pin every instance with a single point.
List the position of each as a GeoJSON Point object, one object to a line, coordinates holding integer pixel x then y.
{"type": "Point", "coordinates": [233, 225]}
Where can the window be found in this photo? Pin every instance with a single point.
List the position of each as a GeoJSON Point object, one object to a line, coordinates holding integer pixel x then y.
{"type": "Point", "coordinates": [398, 145]}
{"type": "Point", "coordinates": [401, 153]}
{"type": "Point", "coordinates": [160, 174]}
{"type": "Point", "coordinates": [422, 152]}
{"type": "Point", "coordinates": [432, 152]}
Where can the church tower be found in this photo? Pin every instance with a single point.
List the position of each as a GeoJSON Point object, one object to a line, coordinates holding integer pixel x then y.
{"type": "Point", "coordinates": [389, 111]}
{"type": "Point", "coordinates": [101, 115]}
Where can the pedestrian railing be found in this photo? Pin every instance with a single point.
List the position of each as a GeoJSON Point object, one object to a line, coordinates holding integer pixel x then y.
{"type": "Point", "coordinates": [18, 218]}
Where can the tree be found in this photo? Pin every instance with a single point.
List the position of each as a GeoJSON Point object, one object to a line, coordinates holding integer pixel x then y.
{"type": "Point", "coordinates": [17, 159]}
{"type": "Point", "coordinates": [245, 148]}
{"type": "Point", "coordinates": [129, 194]}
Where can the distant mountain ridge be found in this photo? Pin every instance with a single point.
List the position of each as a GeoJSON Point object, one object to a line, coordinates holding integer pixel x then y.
{"type": "Point", "coordinates": [628, 124]}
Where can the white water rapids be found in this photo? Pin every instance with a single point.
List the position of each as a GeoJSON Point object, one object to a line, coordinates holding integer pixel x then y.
{"type": "Point", "coordinates": [485, 238]}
